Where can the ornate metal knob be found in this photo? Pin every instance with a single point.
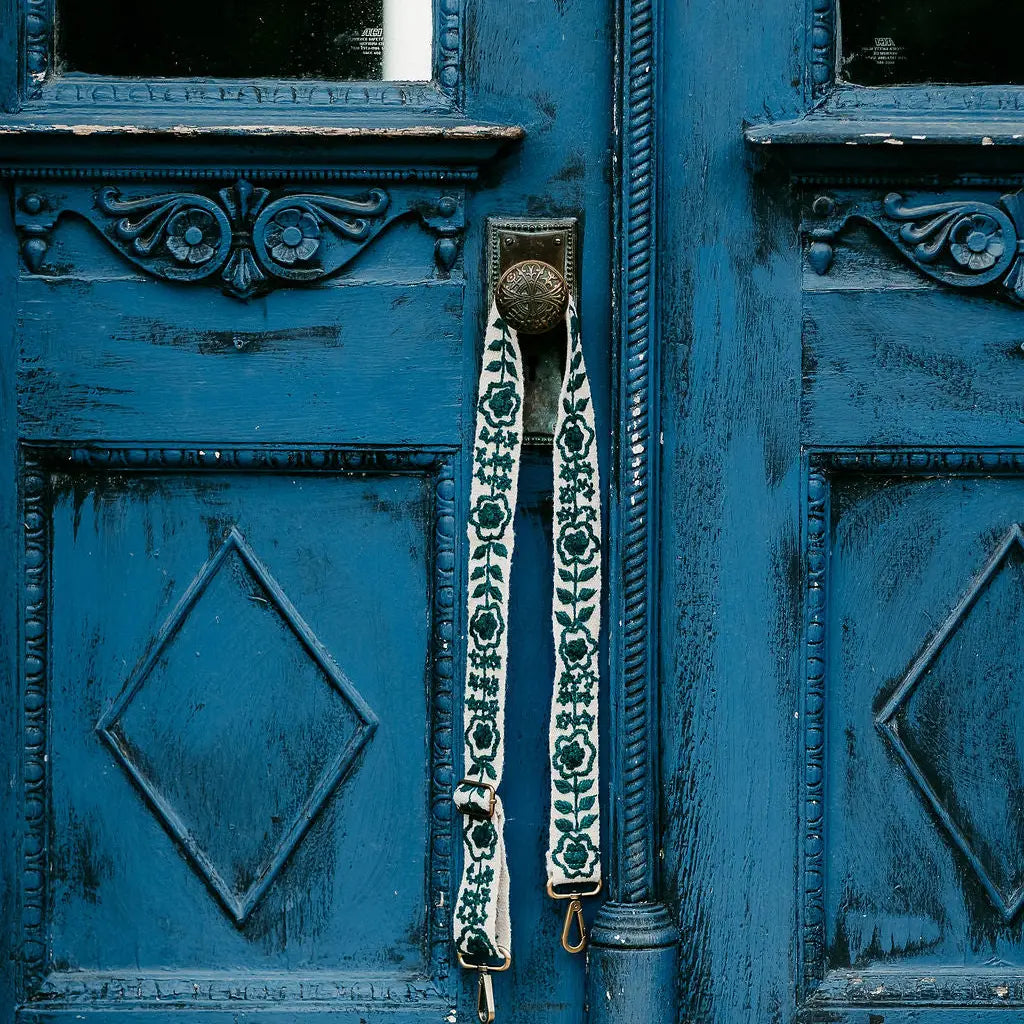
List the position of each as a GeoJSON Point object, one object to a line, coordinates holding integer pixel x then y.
{"type": "Point", "coordinates": [532, 296]}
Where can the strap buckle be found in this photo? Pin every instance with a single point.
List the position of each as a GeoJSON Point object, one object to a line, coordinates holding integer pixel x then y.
{"type": "Point", "coordinates": [574, 915]}
{"type": "Point", "coordinates": [469, 805]}
{"type": "Point", "coordinates": [485, 1009]}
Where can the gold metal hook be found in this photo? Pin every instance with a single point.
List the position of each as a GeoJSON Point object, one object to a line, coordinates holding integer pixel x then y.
{"type": "Point", "coordinates": [485, 986]}
{"type": "Point", "coordinates": [485, 998]}
{"type": "Point", "coordinates": [574, 913]}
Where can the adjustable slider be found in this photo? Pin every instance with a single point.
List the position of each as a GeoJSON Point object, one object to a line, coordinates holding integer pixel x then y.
{"type": "Point", "coordinates": [475, 799]}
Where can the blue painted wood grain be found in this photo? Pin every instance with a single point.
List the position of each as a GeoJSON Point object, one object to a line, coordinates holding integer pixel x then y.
{"type": "Point", "coordinates": [346, 368]}
{"type": "Point", "coordinates": [911, 366]}
{"type": "Point", "coordinates": [731, 601]}
{"type": "Point", "coordinates": [904, 552]}
{"type": "Point", "coordinates": [134, 388]}
{"type": "Point", "coordinates": [235, 722]}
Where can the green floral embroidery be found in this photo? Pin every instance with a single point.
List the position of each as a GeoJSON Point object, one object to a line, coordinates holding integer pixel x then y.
{"type": "Point", "coordinates": [491, 516]}
{"type": "Point", "coordinates": [573, 849]}
{"type": "Point", "coordinates": [577, 544]}
{"type": "Point", "coordinates": [487, 627]}
{"type": "Point", "coordinates": [500, 403]}
{"type": "Point", "coordinates": [574, 755]}
{"type": "Point", "coordinates": [482, 839]}
{"type": "Point", "coordinates": [577, 854]}
{"type": "Point", "coordinates": [492, 500]}
{"type": "Point", "coordinates": [575, 436]}
{"type": "Point", "coordinates": [575, 826]}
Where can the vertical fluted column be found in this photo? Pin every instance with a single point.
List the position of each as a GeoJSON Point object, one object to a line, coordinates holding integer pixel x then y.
{"type": "Point", "coordinates": [634, 942]}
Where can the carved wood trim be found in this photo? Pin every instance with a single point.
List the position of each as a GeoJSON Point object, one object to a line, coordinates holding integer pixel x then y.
{"type": "Point", "coordinates": [966, 240]}
{"type": "Point", "coordinates": [634, 535]}
{"type": "Point", "coordinates": [243, 238]}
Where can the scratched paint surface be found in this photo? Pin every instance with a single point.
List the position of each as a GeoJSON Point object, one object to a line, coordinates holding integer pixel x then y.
{"type": "Point", "coordinates": [908, 872]}
{"type": "Point", "coordinates": [203, 852]}
{"type": "Point", "coordinates": [832, 858]}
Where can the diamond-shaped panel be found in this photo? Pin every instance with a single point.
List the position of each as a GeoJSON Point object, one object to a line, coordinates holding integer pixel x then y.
{"type": "Point", "coordinates": [237, 726]}
{"type": "Point", "coordinates": [957, 722]}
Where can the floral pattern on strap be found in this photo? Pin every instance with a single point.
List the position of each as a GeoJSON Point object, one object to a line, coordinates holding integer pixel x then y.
{"type": "Point", "coordinates": [573, 857]}
{"type": "Point", "coordinates": [481, 915]}
{"type": "Point", "coordinates": [481, 922]}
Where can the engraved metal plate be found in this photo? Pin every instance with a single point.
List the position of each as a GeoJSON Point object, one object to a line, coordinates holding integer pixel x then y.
{"type": "Point", "coordinates": [511, 241]}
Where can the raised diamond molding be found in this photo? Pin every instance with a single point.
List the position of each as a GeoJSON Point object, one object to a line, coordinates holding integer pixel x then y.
{"type": "Point", "coordinates": [963, 696]}
{"type": "Point", "coordinates": [235, 661]}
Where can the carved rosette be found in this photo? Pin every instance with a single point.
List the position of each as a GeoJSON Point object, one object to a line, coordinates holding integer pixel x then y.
{"type": "Point", "coordinates": [242, 237]}
{"type": "Point", "coordinates": [963, 243]}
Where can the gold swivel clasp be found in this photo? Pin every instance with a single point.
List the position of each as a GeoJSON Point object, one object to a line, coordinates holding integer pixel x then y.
{"type": "Point", "coordinates": [574, 931]}
{"type": "Point", "coordinates": [485, 1011]}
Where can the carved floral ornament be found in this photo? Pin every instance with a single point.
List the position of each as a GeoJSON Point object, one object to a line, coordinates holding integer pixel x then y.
{"type": "Point", "coordinates": [964, 243]}
{"type": "Point", "coordinates": [242, 236]}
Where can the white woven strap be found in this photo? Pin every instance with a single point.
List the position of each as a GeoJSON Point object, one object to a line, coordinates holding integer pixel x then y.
{"type": "Point", "coordinates": [574, 836]}
{"type": "Point", "coordinates": [481, 918]}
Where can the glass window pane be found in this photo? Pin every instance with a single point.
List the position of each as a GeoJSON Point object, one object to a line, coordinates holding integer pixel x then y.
{"type": "Point", "coordinates": [888, 42]}
{"type": "Point", "coordinates": [407, 23]}
{"type": "Point", "coordinates": [329, 39]}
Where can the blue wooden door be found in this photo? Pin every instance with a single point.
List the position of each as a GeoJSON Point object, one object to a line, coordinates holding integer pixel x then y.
{"type": "Point", "coordinates": [243, 290]}
{"type": "Point", "coordinates": [842, 670]}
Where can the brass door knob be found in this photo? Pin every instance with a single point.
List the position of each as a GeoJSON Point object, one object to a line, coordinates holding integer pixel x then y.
{"type": "Point", "coordinates": [532, 297]}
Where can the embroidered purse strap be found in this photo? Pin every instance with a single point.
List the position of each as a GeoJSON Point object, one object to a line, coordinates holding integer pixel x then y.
{"type": "Point", "coordinates": [482, 926]}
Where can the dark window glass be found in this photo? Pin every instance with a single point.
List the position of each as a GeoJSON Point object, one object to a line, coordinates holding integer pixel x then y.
{"type": "Point", "coordinates": [332, 39]}
{"type": "Point", "coordinates": [887, 42]}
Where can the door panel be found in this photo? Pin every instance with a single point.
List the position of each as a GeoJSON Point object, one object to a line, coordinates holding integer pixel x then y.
{"type": "Point", "coordinates": [891, 357]}
{"type": "Point", "coordinates": [922, 724]}
{"type": "Point", "coordinates": [235, 496]}
{"type": "Point", "coordinates": [95, 333]}
{"type": "Point", "coordinates": [310, 366]}
{"type": "Point", "coordinates": [841, 505]}
{"type": "Point", "coordinates": [260, 682]}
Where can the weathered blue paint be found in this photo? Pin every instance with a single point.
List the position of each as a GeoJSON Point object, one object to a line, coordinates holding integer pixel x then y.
{"type": "Point", "coordinates": [232, 499]}
{"type": "Point", "coordinates": [812, 395]}
{"type": "Point", "coordinates": [634, 954]}
{"type": "Point", "coordinates": [840, 681]}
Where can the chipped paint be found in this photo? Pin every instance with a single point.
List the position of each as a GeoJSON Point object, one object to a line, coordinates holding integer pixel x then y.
{"type": "Point", "coordinates": [420, 131]}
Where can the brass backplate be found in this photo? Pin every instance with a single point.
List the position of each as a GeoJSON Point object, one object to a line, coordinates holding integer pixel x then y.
{"type": "Point", "coordinates": [510, 241]}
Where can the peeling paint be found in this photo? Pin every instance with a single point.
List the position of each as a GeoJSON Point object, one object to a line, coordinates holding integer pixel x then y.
{"type": "Point", "coordinates": [421, 131]}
